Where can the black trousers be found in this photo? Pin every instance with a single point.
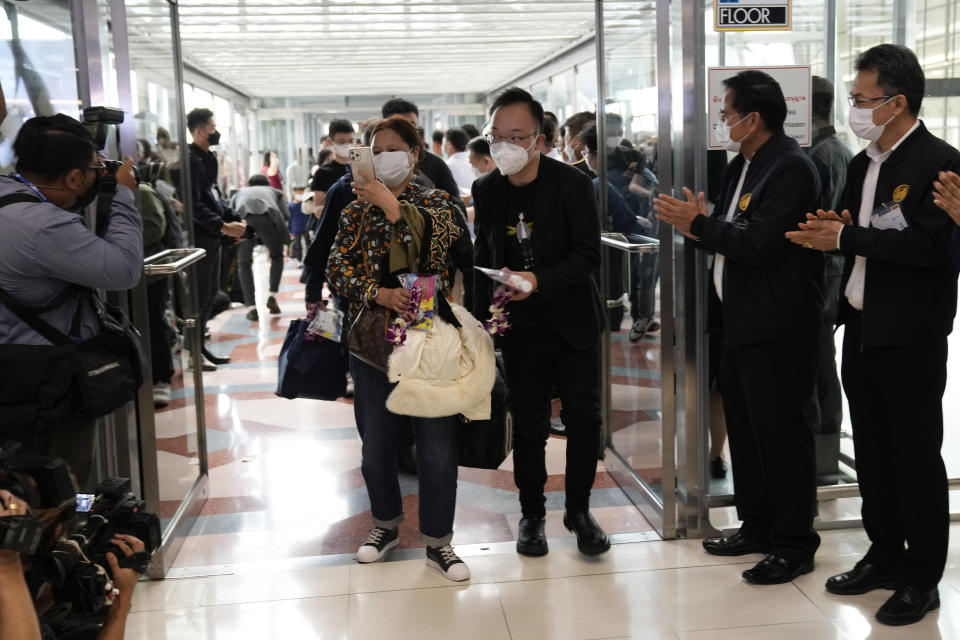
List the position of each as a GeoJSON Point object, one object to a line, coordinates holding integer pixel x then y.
{"type": "Point", "coordinates": [828, 397]}
{"type": "Point", "coordinates": [161, 356]}
{"type": "Point", "coordinates": [208, 278]}
{"type": "Point", "coordinates": [535, 358]}
{"type": "Point", "coordinates": [896, 407]}
{"type": "Point", "coordinates": [765, 387]}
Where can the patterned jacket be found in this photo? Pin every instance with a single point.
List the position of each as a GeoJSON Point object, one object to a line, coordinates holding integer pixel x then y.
{"type": "Point", "coordinates": [360, 255]}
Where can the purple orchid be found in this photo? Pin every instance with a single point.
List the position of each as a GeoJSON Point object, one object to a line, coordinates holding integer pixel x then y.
{"type": "Point", "coordinates": [499, 320]}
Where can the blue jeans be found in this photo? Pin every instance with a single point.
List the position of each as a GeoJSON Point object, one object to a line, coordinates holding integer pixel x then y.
{"type": "Point", "coordinates": [436, 440]}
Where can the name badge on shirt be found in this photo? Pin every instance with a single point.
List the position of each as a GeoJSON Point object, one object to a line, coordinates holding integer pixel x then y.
{"type": "Point", "coordinates": [888, 216]}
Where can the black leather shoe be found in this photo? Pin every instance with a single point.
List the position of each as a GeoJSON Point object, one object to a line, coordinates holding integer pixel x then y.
{"type": "Point", "coordinates": [215, 359]}
{"type": "Point", "coordinates": [908, 605]}
{"type": "Point", "coordinates": [591, 539]}
{"type": "Point", "coordinates": [531, 540]}
{"type": "Point", "coordinates": [862, 578]}
{"type": "Point", "coordinates": [776, 570]}
{"type": "Point", "coordinates": [735, 545]}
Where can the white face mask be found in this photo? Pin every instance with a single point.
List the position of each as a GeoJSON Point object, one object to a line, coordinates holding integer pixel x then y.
{"type": "Point", "coordinates": [861, 121]}
{"type": "Point", "coordinates": [723, 135]}
{"type": "Point", "coordinates": [570, 153]}
{"type": "Point", "coordinates": [510, 158]}
{"type": "Point", "coordinates": [613, 142]}
{"type": "Point", "coordinates": [343, 150]}
{"type": "Point", "coordinates": [393, 167]}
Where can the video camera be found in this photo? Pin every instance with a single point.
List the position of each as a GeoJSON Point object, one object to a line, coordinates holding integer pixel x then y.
{"type": "Point", "coordinates": [72, 560]}
{"type": "Point", "coordinates": [98, 121]}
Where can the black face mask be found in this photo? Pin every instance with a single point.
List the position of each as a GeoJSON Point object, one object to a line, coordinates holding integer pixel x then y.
{"type": "Point", "coordinates": [213, 139]}
{"type": "Point", "coordinates": [88, 197]}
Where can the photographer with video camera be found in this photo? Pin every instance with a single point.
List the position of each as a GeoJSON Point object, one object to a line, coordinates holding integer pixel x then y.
{"type": "Point", "coordinates": [71, 560]}
{"type": "Point", "coordinates": [49, 263]}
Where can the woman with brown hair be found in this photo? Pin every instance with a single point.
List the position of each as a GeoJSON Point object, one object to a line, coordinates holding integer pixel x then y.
{"type": "Point", "coordinates": [396, 226]}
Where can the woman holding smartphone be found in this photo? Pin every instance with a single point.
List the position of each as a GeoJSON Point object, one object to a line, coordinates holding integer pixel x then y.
{"type": "Point", "coordinates": [391, 210]}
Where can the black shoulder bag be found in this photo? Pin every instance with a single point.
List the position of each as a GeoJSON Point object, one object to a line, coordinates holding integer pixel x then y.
{"type": "Point", "coordinates": [68, 381]}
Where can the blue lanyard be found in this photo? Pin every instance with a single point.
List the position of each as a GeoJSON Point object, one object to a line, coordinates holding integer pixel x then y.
{"type": "Point", "coordinates": [32, 186]}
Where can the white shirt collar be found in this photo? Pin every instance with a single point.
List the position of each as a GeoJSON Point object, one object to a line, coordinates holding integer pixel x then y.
{"type": "Point", "coordinates": [873, 150]}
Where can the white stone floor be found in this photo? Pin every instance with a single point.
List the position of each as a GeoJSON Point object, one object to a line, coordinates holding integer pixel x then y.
{"type": "Point", "coordinates": [655, 590]}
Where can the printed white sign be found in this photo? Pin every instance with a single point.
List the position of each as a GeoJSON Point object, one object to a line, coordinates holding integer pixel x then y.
{"type": "Point", "coordinates": [751, 15]}
{"type": "Point", "coordinates": [795, 84]}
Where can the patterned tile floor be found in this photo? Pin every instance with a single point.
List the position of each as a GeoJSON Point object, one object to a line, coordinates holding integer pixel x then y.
{"type": "Point", "coordinates": [284, 474]}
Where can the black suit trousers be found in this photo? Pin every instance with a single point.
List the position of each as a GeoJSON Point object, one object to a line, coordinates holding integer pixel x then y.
{"type": "Point", "coordinates": [765, 388]}
{"type": "Point", "coordinates": [535, 358]}
{"type": "Point", "coordinates": [896, 407]}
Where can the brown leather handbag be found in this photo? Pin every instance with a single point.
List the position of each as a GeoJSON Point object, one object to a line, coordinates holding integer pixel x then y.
{"type": "Point", "coordinates": [367, 339]}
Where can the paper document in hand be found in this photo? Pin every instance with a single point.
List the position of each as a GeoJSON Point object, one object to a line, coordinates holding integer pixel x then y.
{"type": "Point", "coordinates": [503, 277]}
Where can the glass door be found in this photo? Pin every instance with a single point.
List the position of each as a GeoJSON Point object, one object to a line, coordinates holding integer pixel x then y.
{"type": "Point", "coordinates": [641, 455]}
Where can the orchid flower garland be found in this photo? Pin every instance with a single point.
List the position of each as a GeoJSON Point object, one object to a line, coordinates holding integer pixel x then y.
{"type": "Point", "coordinates": [397, 331]}
{"type": "Point", "coordinates": [499, 320]}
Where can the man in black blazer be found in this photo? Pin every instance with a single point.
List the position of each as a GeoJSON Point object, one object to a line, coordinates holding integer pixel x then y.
{"type": "Point", "coordinates": [770, 295]}
{"type": "Point", "coordinates": [898, 302]}
{"type": "Point", "coordinates": [555, 332]}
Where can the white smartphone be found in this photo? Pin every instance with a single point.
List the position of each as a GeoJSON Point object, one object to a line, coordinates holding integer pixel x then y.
{"type": "Point", "coordinates": [361, 163]}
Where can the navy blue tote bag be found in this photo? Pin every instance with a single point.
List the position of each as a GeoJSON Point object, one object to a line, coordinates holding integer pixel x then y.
{"type": "Point", "coordinates": [310, 369]}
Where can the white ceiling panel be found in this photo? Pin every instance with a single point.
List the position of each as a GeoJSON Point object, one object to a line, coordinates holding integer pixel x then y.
{"type": "Point", "coordinates": [284, 48]}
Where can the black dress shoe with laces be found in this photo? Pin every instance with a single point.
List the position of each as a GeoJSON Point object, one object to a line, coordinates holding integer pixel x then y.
{"type": "Point", "coordinates": [215, 359]}
{"type": "Point", "coordinates": [776, 570]}
{"type": "Point", "coordinates": [591, 539]}
{"type": "Point", "coordinates": [908, 605]}
{"type": "Point", "coordinates": [735, 545]}
{"type": "Point", "coordinates": [531, 540]}
{"type": "Point", "coordinates": [862, 578]}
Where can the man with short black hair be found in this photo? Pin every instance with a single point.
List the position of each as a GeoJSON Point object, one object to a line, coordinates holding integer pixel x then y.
{"type": "Point", "coordinates": [340, 134]}
{"type": "Point", "coordinates": [436, 142]}
{"type": "Point", "coordinates": [211, 218]}
{"type": "Point", "coordinates": [554, 335]}
{"type": "Point", "coordinates": [898, 306]}
{"type": "Point", "coordinates": [455, 148]}
{"type": "Point", "coordinates": [573, 148]}
{"type": "Point", "coordinates": [770, 298]}
{"type": "Point", "coordinates": [472, 131]}
{"type": "Point", "coordinates": [479, 153]}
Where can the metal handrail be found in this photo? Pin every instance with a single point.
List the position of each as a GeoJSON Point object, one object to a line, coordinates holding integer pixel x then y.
{"type": "Point", "coordinates": [630, 244]}
{"type": "Point", "coordinates": [171, 261]}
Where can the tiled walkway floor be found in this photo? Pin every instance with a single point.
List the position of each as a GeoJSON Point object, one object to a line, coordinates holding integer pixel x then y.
{"type": "Point", "coordinates": [644, 590]}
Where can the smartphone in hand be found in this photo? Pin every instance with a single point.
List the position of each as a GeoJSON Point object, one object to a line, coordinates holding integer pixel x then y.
{"type": "Point", "coordinates": [361, 163]}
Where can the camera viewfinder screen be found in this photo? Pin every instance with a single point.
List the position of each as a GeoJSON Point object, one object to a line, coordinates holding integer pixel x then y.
{"type": "Point", "coordinates": [84, 502]}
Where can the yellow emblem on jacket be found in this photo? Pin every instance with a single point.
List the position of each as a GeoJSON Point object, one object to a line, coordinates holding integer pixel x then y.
{"type": "Point", "coordinates": [744, 201]}
{"type": "Point", "coordinates": [900, 193]}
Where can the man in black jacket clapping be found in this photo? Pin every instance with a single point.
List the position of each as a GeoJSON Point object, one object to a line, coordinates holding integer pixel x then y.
{"type": "Point", "coordinates": [770, 295]}
{"type": "Point", "coordinates": [897, 304]}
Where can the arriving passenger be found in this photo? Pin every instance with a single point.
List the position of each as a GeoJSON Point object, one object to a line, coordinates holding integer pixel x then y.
{"type": "Point", "coordinates": [436, 144]}
{"type": "Point", "coordinates": [357, 271]}
{"type": "Point", "coordinates": [555, 333]}
{"type": "Point", "coordinates": [211, 218]}
{"type": "Point", "coordinates": [551, 125]}
{"type": "Point", "coordinates": [831, 157]}
{"type": "Point", "coordinates": [50, 257]}
{"type": "Point", "coordinates": [271, 169]}
{"type": "Point", "coordinates": [263, 208]}
{"type": "Point", "coordinates": [455, 147]}
{"type": "Point", "coordinates": [340, 133]}
{"type": "Point", "coordinates": [296, 175]}
{"type": "Point", "coordinates": [297, 224]}
{"type": "Point", "coordinates": [770, 294]}
{"type": "Point", "coordinates": [898, 306]}
{"type": "Point", "coordinates": [573, 148]}
{"type": "Point", "coordinates": [480, 157]}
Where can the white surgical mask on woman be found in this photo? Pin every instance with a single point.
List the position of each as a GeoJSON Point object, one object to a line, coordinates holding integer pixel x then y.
{"type": "Point", "coordinates": [510, 158]}
{"type": "Point", "coordinates": [861, 121]}
{"type": "Point", "coordinates": [393, 167]}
